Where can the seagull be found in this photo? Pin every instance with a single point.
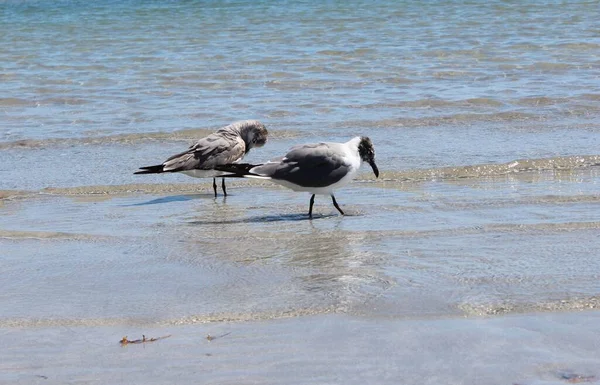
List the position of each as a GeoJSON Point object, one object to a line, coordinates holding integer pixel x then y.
{"type": "Point", "coordinates": [228, 145]}
{"type": "Point", "coordinates": [317, 168]}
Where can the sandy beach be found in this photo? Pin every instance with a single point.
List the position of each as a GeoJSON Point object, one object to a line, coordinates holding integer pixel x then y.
{"type": "Point", "coordinates": [454, 285]}
{"type": "Point", "coordinates": [332, 348]}
{"type": "Point", "coordinates": [472, 259]}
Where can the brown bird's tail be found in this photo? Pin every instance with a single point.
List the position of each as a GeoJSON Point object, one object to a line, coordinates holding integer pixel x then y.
{"type": "Point", "coordinates": [151, 169]}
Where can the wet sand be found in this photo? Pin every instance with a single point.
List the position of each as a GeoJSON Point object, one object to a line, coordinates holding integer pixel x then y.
{"type": "Point", "coordinates": [444, 270]}
{"type": "Point", "coordinates": [333, 349]}
{"type": "Point", "coordinates": [446, 279]}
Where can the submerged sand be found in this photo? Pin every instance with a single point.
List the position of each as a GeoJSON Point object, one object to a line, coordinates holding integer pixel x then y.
{"type": "Point", "coordinates": [483, 273]}
{"type": "Point", "coordinates": [335, 348]}
{"type": "Point", "coordinates": [462, 280]}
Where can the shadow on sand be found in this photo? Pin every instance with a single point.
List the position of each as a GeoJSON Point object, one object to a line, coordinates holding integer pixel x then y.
{"type": "Point", "coordinates": [271, 218]}
{"type": "Point", "coordinates": [174, 198]}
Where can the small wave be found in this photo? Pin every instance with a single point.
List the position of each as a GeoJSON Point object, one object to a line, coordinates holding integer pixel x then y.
{"type": "Point", "coordinates": [188, 320]}
{"type": "Point", "coordinates": [454, 119]}
{"type": "Point", "coordinates": [244, 317]}
{"type": "Point", "coordinates": [284, 75]}
{"type": "Point", "coordinates": [434, 103]}
{"type": "Point", "coordinates": [231, 76]}
{"type": "Point", "coordinates": [49, 235]}
{"type": "Point", "coordinates": [490, 170]}
{"type": "Point", "coordinates": [15, 102]}
{"type": "Point", "coordinates": [67, 322]}
{"type": "Point", "coordinates": [395, 80]}
{"type": "Point", "coordinates": [282, 114]}
{"type": "Point", "coordinates": [140, 188]}
{"type": "Point", "coordinates": [189, 135]}
{"type": "Point", "coordinates": [386, 179]}
{"type": "Point", "coordinates": [540, 101]}
{"type": "Point", "coordinates": [69, 101]}
{"type": "Point", "coordinates": [594, 97]}
{"type": "Point", "coordinates": [507, 307]}
{"type": "Point", "coordinates": [303, 84]}
{"type": "Point", "coordinates": [331, 52]}
{"type": "Point", "coordinates": [487, 102]}
{"type": "Point", "coordinates": [504, 228]}
{"type": "Point", "coordinates": [455, 74]}
{"type": "Point", "coordinates": [122, 189]}
{"type": "Point", "coordinates": [529, 200]}
{"type": "Point", "coordinates": [11, 194]}
{"type": "Point", "coordinates": [579, 46]}
{"type": "Point", "coordinates": [542, 227]}
{"type": "Point", "coordinates": [551, 67]}
{"type": "Point", "coordinates": [108, 139]}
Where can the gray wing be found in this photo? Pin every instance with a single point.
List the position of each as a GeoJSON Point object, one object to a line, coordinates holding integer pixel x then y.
{"type": "Point", "coordinates": [207, 153]}
{"type": "Point", "coordinates": [310, 165]}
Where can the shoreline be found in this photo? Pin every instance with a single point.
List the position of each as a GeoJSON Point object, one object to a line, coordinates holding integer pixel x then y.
{"type": "Point", "coordinates": [331, 348]}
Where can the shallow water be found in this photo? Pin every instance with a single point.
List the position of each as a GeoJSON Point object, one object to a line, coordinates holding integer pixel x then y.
{"type": "Point", "coordinates": [484, 219]}
{"type": "Point", "coordinates": [510, 243]}
{"type": "Point", "coordinates": [538, 349]}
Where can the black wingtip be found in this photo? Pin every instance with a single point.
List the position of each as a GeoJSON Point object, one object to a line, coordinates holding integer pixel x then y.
{"type": "Point", "coordinates": [236, 169]}
{"type": "Point", "coordinates": [150, 170]}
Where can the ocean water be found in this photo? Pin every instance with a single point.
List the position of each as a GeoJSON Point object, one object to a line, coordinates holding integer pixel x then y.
{"type": "Point", "coordinates": [484, 220]}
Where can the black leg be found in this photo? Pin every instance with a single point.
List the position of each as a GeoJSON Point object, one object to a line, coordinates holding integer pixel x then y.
{"type": "Point", "coordinates": [312, 202]}
{"type": "Point", "coordinates": [336, 205]}
{"type": "Point", "coordinates": [215, 186]}
{"type": "Point", "coordinates": [223, 186]}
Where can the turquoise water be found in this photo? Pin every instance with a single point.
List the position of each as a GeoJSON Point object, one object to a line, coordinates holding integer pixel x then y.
{"type": "Point", "coordinates": [435, 84]}
{"type": "Point", "coordinates": [485, 217]}
{"type": "Point", "coordinates": [76, 69]}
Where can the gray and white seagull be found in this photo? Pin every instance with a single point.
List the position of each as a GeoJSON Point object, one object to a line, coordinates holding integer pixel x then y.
{"type": "Point", "coordinates": [318, 168]}
{"type": "Point", "coordinates": [228, 145]}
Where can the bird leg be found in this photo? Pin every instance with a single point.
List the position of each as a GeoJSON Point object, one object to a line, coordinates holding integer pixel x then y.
{"type": "Point", "coordinates": [223, 186]}
{"type": "Point", "coordinates": [215, 186]}
{"type": "Point", "coordinates": [336, 205]}
{"type": "Point", "coordinates": [312, 202]}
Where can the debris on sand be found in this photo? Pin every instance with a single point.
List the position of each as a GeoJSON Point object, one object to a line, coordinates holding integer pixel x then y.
{"type": "Point", "coordinates": [124, 341]}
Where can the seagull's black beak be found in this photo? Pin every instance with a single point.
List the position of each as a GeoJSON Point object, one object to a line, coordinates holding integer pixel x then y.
{"type": "Point", "coordinates": [374, 167]}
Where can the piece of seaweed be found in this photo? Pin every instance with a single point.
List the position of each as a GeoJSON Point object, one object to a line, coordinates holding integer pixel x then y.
{"type": "Point", "coordinates": [124, 341]}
